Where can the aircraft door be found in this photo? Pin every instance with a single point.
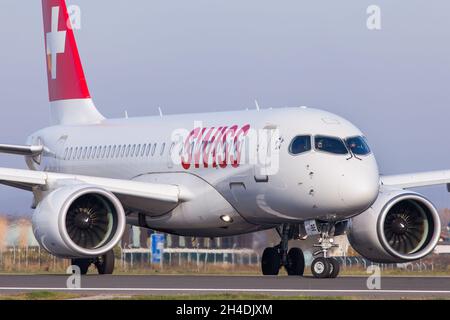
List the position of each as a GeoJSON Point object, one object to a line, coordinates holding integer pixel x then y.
{"type": "Point", "coordinates": [59, 153]}
{"type": "Point", "coordinates": [267, 153]}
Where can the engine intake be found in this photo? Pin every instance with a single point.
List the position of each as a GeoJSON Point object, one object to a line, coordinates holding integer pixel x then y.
{"type": "Point", "coordinates": [91, 221]}
{"type": "Point", "coordinates": [79, 221]}
{"type": "Point", "coordinates": [401, 226]}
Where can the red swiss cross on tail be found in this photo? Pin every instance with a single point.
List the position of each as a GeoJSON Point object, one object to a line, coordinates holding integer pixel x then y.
{"type": "Point", "coordinates": [68, 89]}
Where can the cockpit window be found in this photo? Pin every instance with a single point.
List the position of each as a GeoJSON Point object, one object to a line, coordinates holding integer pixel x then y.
{"type": "Point", "coordinates": [358, 145]}
{"type": "Point", "coordinates": [330, 144]}
{"type": "Point", "coordinates": [300, 144]}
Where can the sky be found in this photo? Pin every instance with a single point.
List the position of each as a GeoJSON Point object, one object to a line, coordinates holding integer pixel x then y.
{"type": "Point", "coordinates": [210, 55]}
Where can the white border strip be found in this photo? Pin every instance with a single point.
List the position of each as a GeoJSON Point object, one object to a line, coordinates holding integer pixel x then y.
{"type": "Point", "coordinates": [229, 290]}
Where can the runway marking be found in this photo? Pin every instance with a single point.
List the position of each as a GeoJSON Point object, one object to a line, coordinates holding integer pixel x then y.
{"type": "Point", "coordinates": [229, 290]}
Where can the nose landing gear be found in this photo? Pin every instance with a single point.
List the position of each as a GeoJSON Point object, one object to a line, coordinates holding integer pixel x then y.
{"type": "Point", "coordinates": [325, 267]}
{"type": "Point", "coordinates": [279, 256]}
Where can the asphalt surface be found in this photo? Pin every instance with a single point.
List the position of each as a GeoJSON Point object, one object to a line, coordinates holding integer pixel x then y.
{"type": "Point", "coordinates": [416, 287]}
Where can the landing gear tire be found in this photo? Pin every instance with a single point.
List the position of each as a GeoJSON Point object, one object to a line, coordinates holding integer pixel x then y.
{"type": "Point", "coordinates": [83, 264]}
{"type": "Point", "coordinates": [335, 267]}
{"type": "Point", "coordinates": [270, 262]}
{"type": "Point", "coordinates": [105, 263]}
{"type": "Point", "coordinates": [321, 268]}
{"type": "Point", "coordinates": [296, 262]}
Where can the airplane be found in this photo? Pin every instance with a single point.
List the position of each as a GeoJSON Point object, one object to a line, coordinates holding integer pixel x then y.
{"type": "Point", "coordinates": [301, 171]}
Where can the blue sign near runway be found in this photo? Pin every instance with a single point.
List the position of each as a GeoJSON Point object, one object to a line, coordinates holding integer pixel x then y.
{"type": "Point", "coordinates": [158, 240]}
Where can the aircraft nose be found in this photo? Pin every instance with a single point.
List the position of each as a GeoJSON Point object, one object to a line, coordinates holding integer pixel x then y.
{"type": "Point", "coordinates": [359, 187]}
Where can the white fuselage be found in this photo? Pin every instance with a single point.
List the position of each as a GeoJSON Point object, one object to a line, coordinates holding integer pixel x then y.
{"type": "Point", "coordinates": [255, 194]}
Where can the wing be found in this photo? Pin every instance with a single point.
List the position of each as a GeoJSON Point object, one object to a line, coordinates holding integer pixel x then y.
{"type": "Point", "coordinates": [21, 150]}
{"type": "Point", "coordinates": [420, 179]}
{"type": "Point", "coordinates": [155, 197]}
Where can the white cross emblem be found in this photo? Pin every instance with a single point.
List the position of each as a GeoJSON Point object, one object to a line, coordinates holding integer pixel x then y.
{"type": "Point", "coordinates": [56, 40]}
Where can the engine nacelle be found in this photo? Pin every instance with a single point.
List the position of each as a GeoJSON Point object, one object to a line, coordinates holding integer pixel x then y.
{"type": "Point", "coordinates": [79, 221]}
{"type": "Point", "coordinates": [400, 226]}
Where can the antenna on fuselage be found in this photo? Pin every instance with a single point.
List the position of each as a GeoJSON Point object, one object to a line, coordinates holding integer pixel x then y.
{"type": "Point", "coordinates": [126, 114]}
{"type": "Point", "coordinates": [160, 112]}
{"type": "Point", "coordinates": [257, 105]}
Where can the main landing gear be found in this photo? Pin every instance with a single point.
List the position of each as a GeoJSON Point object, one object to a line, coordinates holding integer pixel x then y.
{"type": "Point", "coordinates": [293, 260]}
{"type": "Point", "coordinates": [275, 258]}
{"type": "Point", "coordinates": [104, 264]}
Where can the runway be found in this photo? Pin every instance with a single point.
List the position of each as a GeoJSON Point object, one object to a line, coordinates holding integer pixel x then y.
{"type": "Point", "coordinates": [394, 287]}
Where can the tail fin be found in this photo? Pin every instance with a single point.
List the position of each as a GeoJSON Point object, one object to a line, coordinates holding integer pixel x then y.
{"type": "Point", "coordinates": [69, 95]}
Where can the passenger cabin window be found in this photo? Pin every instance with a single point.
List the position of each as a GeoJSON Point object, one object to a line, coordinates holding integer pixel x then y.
{"type": "Point", "coordinates": [330, 145]}
{"type": "Point", "coordinates": [138, 149]}
{"type": "Point", "coordinates": [300, 144]}
{"type": "Point", "coordinates": [358, 145]}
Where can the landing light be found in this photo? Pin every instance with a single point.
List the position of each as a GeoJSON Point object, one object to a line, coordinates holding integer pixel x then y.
{"type": "Point", "coordinates": [226, 219]}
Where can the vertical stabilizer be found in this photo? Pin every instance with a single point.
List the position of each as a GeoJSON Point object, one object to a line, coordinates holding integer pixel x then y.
{"type": "Point", "coordinates": [69, 95]}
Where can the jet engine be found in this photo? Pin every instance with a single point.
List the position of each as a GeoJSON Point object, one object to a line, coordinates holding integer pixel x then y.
{"type": "Point", "coordinates": [79, 221]}
{"type": "Point", "coordinates": [400, 226]}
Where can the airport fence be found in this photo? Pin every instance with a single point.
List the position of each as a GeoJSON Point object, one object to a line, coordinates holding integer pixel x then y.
{"type": "Point", "coordinates": [29, 259]}
{"type": "Point", "coordinates": [35, 259]}
{"type": "Point", "coordinates": [180, 256]}
{"type": "Point", "coordinates": [417, 266]}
